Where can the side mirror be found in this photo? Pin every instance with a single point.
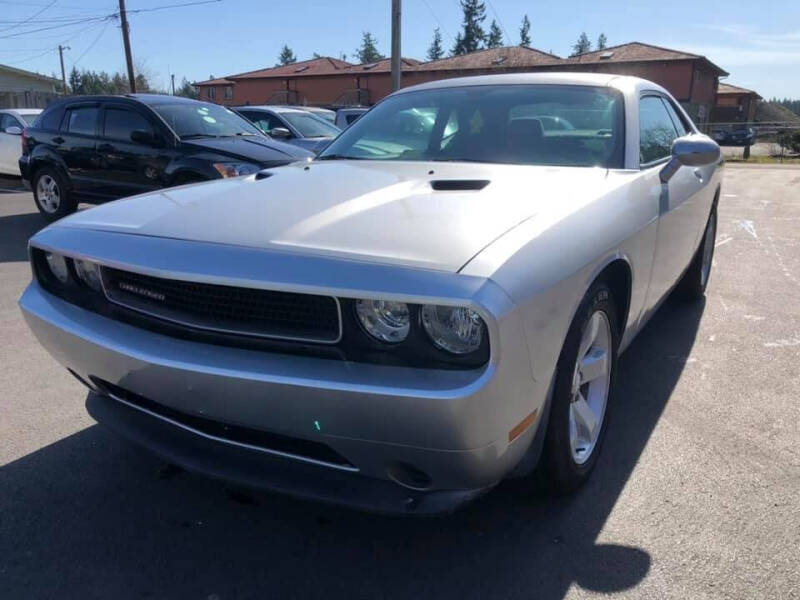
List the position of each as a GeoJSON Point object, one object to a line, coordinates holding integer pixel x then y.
{"type": "Point", "coordinates": [142, 136]}
{"type": "Point", "coordinates": [13, 130]}
{"type": "Point", "coordinates": [280, 132]}
{"type": "Point", "coordinates": [690, 151]}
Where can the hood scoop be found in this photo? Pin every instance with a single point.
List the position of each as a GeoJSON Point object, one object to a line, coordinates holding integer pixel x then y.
{"type": "Point", "coordinates": [459, 185]}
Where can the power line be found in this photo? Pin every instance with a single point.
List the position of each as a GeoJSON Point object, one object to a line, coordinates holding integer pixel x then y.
{"type": "Point", "coordinates": [435, 18]}
{"type": "Point", "coordinates": [51, 27]}
{"type": "Point", "coordinates": [141, 10]}
{"type": "Point", "coordinates": [33, 16]}
{"type": "Point", "coordinates": [499, 20]}
{"type": "Point", "coordinates": [30, 58]}
{"type": "Point", "coordinates": [92, 45]}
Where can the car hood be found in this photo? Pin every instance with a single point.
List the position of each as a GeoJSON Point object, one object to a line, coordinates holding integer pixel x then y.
{"type": "Point", "coordinates": [260, 149]}
{"type": "Point", "coordinates": [364, 210]}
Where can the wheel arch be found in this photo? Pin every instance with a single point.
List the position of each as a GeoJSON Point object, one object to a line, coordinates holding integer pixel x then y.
{"type": "Point", "coordinates": [47, 161]}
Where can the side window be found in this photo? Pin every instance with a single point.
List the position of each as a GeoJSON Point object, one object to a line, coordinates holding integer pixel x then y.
{"type": "Point", "coordinates": [50, 118]}
{"type": "Point", "coordinates": [656, 131]}
{"type": "Point", "coordinates": [676, 119]}
{"type": "Point", "coordinates": [265, 121]}
{"type": "Point", "coordinates": [81, 120]}
{"type": "Point", "coordinates": [120, 123]}
{"type": "Point", "coordinates": [7, 121]}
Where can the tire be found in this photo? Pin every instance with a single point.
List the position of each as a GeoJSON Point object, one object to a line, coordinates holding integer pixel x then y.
{"type": "Point", "coordinates": [51, 195]}
{"type": "Point", "coordinates": [571, 446]}
{"type": "Point", "coordinates": [692, 285]}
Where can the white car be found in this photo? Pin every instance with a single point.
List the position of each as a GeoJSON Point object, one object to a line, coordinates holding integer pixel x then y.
{"type": "Point", "coordinates": [12, 122]}
{"type": "Point", "coordinates": [435, 303]}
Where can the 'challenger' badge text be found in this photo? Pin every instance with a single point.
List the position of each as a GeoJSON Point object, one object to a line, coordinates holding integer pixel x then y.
{"type": "Point", "coordinates": [140, 291]}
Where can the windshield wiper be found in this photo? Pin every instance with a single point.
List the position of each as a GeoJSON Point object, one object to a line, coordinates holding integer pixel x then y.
{"type": "Point", "coordinates": [190, 136]}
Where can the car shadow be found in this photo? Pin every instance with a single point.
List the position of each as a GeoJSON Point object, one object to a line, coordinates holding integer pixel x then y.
{"type": "Point", "coordinates": [15, 231]}
{"type": "Point", "coordinates": [93, 516]}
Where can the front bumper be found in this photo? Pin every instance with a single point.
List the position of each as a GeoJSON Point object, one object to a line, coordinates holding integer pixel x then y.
{"type": "Point", "coordinates": [453, 426]}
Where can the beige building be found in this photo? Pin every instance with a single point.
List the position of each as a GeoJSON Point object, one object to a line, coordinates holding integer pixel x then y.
{"type": "Point", "coordinates": [24, 89]}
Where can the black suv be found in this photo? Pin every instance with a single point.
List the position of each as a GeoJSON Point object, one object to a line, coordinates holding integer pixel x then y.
{"type": "Point", "coordinates": [98, 148]}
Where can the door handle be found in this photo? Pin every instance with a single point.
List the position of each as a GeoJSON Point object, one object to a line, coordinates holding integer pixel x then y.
{"type": "Point", "coordinates": [58, 140]}
{"type": "Point", "coordinates": [106, 148]}
{"type": "Point", "coordinates": [699, 174]}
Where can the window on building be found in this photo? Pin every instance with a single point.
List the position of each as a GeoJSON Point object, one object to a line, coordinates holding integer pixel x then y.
{"type": "Point", "coordinates": [212, 93]}
{"type": "Point", "coordinates": [82, 120]}
{"type": "Point", "coordinates": [656, 131]}
{"type": "Point", "coordinates": [120, 123]}
{"type": "Point", "coordinates": [228, 92]}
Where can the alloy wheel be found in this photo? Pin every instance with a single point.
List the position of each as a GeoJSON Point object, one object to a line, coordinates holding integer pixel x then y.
{"type": "Point", "coordinates": [590, 386]}
{"type": "Point", "coordinates": [48, 193]}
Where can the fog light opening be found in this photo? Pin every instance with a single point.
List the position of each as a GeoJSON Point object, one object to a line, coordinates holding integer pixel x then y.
{"type": "Point", "coordinates": [409, 476]}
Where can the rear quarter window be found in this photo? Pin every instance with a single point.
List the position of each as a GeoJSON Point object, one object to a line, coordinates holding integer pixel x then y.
{"type": "Point", "coordinates": [50, 118]}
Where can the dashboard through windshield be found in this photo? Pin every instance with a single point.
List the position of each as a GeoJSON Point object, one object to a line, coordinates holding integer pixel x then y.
{"type": "Point", "coordinates": [564, 125]}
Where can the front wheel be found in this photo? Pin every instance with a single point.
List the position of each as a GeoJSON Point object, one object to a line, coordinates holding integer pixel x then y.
{"type": "Point", "coordinates": [50, 193]}
{"type": "Point", "coordinates": [694, 282]}
{"type": "Point", "coordinates": [582, 392]}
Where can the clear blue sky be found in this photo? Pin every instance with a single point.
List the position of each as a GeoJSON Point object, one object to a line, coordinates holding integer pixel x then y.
{"type": "Point", "coordinates": [757, 42]}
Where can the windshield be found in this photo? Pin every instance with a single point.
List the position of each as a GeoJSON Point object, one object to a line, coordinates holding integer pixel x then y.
{"type": "Point", "coordinates": [201, 119]}
{"type": "Point", "coordinates": [515, 124]}
{"type": "Point", "coordinates": [310, 126]}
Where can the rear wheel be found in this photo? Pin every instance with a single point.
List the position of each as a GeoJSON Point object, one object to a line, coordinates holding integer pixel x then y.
{"type": "Point", "coordinates": [582, 392]}
{"type": "Point", "coordinates": [694, 282]}
{"type": "Point", "coordinates": [50, 193]}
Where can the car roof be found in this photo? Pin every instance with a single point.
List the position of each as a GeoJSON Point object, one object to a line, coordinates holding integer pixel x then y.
{"type": "Point", "coordinates": [273, 108]}
{"type": "Point", "coordinates": [147, 99]}
{"type": "Point", "coordinates": [21, 111]}
{"type": "Point", "coordinates": [554, 78]}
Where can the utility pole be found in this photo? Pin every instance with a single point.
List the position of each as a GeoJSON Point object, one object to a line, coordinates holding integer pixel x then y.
{"type": "Point", "coordinates": [173, 83]}
{"type": "Point", "coordinates": [127, 43]}
{"type": "Point", "coordinates": [63, 73]}
{"type": "Point", "coordinates": [395, 45]}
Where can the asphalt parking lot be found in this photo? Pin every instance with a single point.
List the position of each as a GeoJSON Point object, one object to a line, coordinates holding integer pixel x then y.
{"type": "Point", "coordinates": [695, 495]}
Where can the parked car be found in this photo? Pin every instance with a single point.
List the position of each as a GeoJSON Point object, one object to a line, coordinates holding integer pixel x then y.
{"type": "Point", "coordinates": [323, 113]}
{"type": "Point", "coordinates": [396, 331]}
{"type": "Point", "coordinates": [295, 126]}
{"type": "Point", "coordinates": [739, 135]}
{"type": "Point", "coordinates": [12, 122]}
{"type": "Point", "coordinates": [98, 148]}
{"type": "Point", "coordinates": [347, 116]}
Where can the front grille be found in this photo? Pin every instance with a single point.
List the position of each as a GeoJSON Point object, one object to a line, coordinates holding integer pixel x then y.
{"type": "Point", "coordinates": [228, 309]}
{"type": "Point", "coordinates": [275, 443]}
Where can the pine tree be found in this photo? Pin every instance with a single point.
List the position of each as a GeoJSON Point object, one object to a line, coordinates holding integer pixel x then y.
{"type": "Point", "coordinates": [471, 38]}
{"type": "Point", "coordinates": [435, 51]}
{"type": "Point", "coordinates": [76, 82]}
{"type": "Point", "coordinates": [602, 42]}
{"type": "Point", "coordinates": [495, 37]}
{"type": "Point", "coordinates": [368, 52]}
{"type": "Point", "coordinates": [286, 57]}
{"type": "Point", "coordinates": [525, 32]}
{"type": "Point", "coordinates": [582, 46]}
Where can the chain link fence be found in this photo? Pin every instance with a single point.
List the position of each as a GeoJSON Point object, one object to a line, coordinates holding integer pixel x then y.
{"type": "Point", "coordinates": [779, 139]}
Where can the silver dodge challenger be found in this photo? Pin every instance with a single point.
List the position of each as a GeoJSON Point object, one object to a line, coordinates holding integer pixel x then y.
{"type": "Point", "coordinates": [435, 303]}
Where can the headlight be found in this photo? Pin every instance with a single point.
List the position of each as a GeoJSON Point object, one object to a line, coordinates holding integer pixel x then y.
{"type": "Point", "coordinates": [384, 320]}
{"type": "Point", "coordinates": [89, 273]}
{"type": "Point", "coordinates": [58, 266]}
{"type": "Point", "coordinates": [235, 169]}
{"type": "Point", "coordinates": [456, 329]}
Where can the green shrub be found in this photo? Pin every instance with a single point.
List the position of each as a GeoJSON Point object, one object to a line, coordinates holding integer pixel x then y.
{"type": "Point", "coordinates": [790, 140]}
